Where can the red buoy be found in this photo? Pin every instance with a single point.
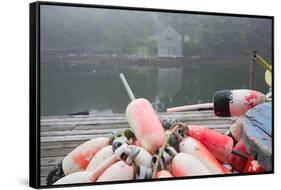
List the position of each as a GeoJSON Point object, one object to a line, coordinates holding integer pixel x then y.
{"type": "Point", "coordinates": [218, 144]}
{"type": "Point", "coordinates": [238, 163]}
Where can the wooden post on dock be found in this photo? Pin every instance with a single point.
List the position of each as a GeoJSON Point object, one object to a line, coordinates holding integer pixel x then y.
{"type": "Point", "coordinates": [253, 71]}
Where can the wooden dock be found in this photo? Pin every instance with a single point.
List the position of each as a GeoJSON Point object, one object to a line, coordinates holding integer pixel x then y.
{"type": "Point", "coordinates": [61, 134]}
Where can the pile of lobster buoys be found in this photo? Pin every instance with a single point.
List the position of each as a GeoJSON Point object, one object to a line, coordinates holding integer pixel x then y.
{"type": "Point", "coordinates": [153, 149]}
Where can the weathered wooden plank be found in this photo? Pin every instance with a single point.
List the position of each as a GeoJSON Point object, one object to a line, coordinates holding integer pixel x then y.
{"type": "Point", "coordinates": [43, 181]}
{"type": "Point", "coordinates": [191, 120]}
{"type": "Point", "coordinates": [57, 128]}
{"type": "Point", "coordinates": [76, 132]}
{"type": "Point", "coordinates": [55, 152]}
{"type": "Point", "coordinates": [85, 134]}
{"type": "Point", "coordinates": [71, 137]}
{"type": "Point", "coordinates": [62, 144]}
{"type": "Point", "coordinates": [121, 116]}
{"type": "Point", "coordinates": [51, 161]}
{"type": "Point", "coordinates": [45, 121]}
{"type": "Point", "coordinates": [82, 127]}
{"type": "Point", "coordinates": [93, 131]}
{"type": "Point", "coordinates": [45, 170]}
{"type": "Point", "coordinates": [109, 115]}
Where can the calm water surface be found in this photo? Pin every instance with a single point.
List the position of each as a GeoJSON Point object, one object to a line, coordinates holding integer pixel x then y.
{"type": "Point", "coordinates": [97, 88]}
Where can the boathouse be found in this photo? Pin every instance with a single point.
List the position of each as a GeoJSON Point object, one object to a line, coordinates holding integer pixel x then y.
{"type": "Point", "coordinates": [169, 43]}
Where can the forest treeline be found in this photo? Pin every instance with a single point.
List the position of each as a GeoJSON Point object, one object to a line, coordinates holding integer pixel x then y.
{"type": "Point", "coordinates": [130, 32]}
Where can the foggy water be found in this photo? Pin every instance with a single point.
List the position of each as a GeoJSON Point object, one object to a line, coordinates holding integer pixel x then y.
{"type": "Point", "coordinates": [98, 89]}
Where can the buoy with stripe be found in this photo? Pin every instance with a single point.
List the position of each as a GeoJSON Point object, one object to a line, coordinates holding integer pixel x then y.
{"type": "Point", "coordinates": [218, 144]}
{"type": "Point", "coordinates": [184, 164]}
{"type": "Point", "coordinates": [197, 149]}
{"type": "Point", "coordinates": [143, 172]}
{"type": "Point", "coordinates": [236, 102]}
{"type": "Point", "coordinates": [227, 103]}
{"type": "Point", "coordinates": [77, 160]}
{"type": "Point", "coordinates": [144, 158]}
{"type": "Point", "coordinates": [238, 163]}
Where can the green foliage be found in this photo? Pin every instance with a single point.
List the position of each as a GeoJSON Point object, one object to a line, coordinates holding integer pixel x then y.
{"type": "Point", "coordinates": [221, 35]}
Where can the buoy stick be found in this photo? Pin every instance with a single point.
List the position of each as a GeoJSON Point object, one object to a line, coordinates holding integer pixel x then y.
{"type": "Point", "coordinates": [127, 87]}
{"type": "Point", "coordinates": [196, 107]}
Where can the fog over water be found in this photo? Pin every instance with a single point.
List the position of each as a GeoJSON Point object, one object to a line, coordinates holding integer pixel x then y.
{"type": "Point", "coordinates": [171, 59]}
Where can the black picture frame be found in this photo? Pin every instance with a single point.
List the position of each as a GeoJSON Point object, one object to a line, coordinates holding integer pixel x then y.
{"type": "Point", "coordinates": [34, 91]}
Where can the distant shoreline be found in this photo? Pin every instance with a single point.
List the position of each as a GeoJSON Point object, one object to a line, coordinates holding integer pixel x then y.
{"type": "Point", "coordinates": [146, 61]}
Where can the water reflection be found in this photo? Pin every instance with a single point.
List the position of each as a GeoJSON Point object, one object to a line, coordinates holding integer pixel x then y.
{"type": "Point", "coordinates": [97, 88]}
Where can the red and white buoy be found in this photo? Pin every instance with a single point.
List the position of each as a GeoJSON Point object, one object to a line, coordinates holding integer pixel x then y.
{"type": "Point", "coordinates": [100, 157]}
{"type": "Point", "coordinates": [123, 152]}
{"type": "Point", "coordinates": [118, 171]}
{"type": "Point", "coordinates": [218, 144]}
{"type": "Point", "coordinates": [197, 149]}
{"type": "Point", "coordinates": [184, 164]}
{"type": "Point", "coordinates": [79, 158]}
{"type": "Point", "coordinates": [163, 174]}
{"type": "Point", "coordinates": [227, 103]}
{"type": "Point", "coordinates": [88, 176]}
{"type": "Point", "coordinates": [144, 122]}
{"type": "Point", "coordinates": [236, 102]}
